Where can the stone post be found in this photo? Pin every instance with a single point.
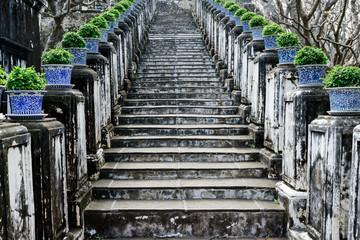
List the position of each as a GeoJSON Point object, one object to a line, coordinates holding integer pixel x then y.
{"type": "Point", "coordinates": [329, 176]}
{"type": "Point", "coordinates": [49, 177]}
{"type": "Point", "coordinates": [240, 43]}
{"type": "Point", "coordinates": [236, 31]}
{"type": "Point", "coordinates": [279, 81]}
{"type": "Point", "coordinates": [126, 47]}
{"type": "Point", "coordinates": [68, 107]}
{"type": "Point", "coordinates": [17, 211]}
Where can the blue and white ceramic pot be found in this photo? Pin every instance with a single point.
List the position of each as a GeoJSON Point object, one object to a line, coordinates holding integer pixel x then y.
{"type": "Point", "coordinates": [287, 54]}
{"type": "Point", "coordinates": [26, 102]}
{"type": "Point", "coordinates": [104, 35]}
{"type": "Point", "coordinates": [122, 16]}
{"type": "Point", "coordinates": [232, 16]}
{"type": "Point", "coordinates": [257, 33]}
{"type": "Point", "coordinates": [80, 55]}
{"type": "Point", "coordinates": [344, 100]}
{"type": "Point", "coordinates": [92, 44]}
{"type": "Point", "coordinates": [311, 75]}
{"type": "Point", "coordinates": [117, 22]}
{"type": "Point", "coordinates": [112, 26]}
{"type": "Point", "coordinates": [58, 74]}
{"type": "Point", "coordinates": [270, 42]}
{"type": "Point", "coordinates": [238, 21]}
{"type": "Point", "coordinates": [246, 27]}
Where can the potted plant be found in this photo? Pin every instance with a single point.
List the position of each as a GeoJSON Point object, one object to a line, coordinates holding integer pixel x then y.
{"type": "Point", "coordinates": [122, 11]}
{"type": "Point", "coordinates": [91, 34]}
{"type": "Point", "coordinates": [3, 77]}
{"type": "Point", "coordinates": [232, 9]}
{"type": "Point", "coordinates": [102, 25]}
{"type": "Point", "coordinates": [110, 18]}
{"type": "Point", "coordinates": [226, 5]}
{"type": "Point", "coordinates": [270, 33]}
{"type": "Point", "coordinates": [126, 5]}
{"type": "Point", "coordinates": [57, 67]}
{"type": "Point", "coordinates": [343, 86]}
{"type": "Point", "coordinates": [245, 19]}
{"type": "Point", "coordinates": [218, 4]}
{"type": "Point", "coordinates": [76, 46]}
{"type": "Point", "coordinates": [257, 24]}
{"type": "Point", "coordinates": [238, 14]}
{"type": "Point", "coordinates": [26, 90]}
{"type": "Point", "coordinates": [117, 15]}
{"type": "Point", "coordinates": [311, 64]}
{"type": "Point", "coordinates": [289, 45]}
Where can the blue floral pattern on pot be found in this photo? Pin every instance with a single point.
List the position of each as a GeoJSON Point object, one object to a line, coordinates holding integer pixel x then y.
{"type": "Point", "coordinates": [92, 44]}
{"type": "Point", "coordinates": [344, 100]}
{"type": "Point", "coordinates": [117, 22]}
{"type": "Point", "coordinates": [246, 26]}
{"type": "Point", "coordinates": [80, 55]}
{"type": "Point", "coordinates": [311, 75]}
{"type": "Point", "coordinates": [104, 35]}
{"type": "Point", "coordinates": [122, 16]}
{"type": "Point", "coordinates": [238, 21]}
{"type": "Point", "coordinates": [26, 102]}
{"type": "Point", "coordinates": [57, 73]}
{"type": "Point", "coordinates": [287, 54]}
{"type": "Point", "coordinates": [270, 42]}
{"type": "Point", "coordinates": [112, 26]}
{"type": "Point", "coordinates": [257, 33]}
{"type": "Point", "coordinates": [232, 16]}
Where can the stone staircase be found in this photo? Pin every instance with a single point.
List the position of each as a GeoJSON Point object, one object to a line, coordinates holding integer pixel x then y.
{"type": "Point", "coordinates": [181, 163]}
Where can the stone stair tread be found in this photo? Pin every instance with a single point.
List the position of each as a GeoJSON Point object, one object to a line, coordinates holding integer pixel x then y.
{"type": "Point", "coordinates": [107, 205]}
{"type": "Point", "coordinates": [182, 165]}
{"type": "Point", "coordinates": [188, 126]}
{"type": "Point", "coordinates": [179, 115]}
{"type": "Point", "coordinates": [199, 137]}
{"type": "Point", "coordinates": [183, 150]}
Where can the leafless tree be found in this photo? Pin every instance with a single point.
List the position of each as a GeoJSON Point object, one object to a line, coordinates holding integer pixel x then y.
{"type": "Point", "coordinates": [332, 25]}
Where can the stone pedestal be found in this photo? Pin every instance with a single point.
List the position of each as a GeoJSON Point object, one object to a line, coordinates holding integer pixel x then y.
{"type": "Point", "coordinates": [236, 31]}
{"type": "Point", "coordinates": [17, 211]}
{"type": "Point", "coordinates": [68, 107]}
{"type": "Point", "coordinates": [329, 179]}
{"type": "Point", "coordinates": [49, 176]}
{"type": "Point", "coordinates": [120, 49]}
{"type": "Point", "coordinates": [239, 63]}
{"type": "Point", "coordinates": [100, 65]}
{"type": "Point", "coordinates": [126, 48]}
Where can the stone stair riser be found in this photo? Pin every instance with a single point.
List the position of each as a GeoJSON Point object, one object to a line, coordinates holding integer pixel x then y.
{"type": "Point", "coordinates": [179, 102]}
{"type": "Point", "coordinates": [180, 120]}
{"type": "Point", "coordinates": [176, 84]}
{"type": "Point", "coordinates": [179, 96]}
{"type": "Point", "coordinates": [180, 110]}
{"type": "Point", "coordinates": [165, 90]}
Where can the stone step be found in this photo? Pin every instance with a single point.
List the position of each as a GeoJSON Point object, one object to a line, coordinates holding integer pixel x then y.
{"type": "Point", "coordinates": [181, 189]}
{"type": "Point", "coordinates": [201, 141]}
{"type": "Point", "coordinates": [176, 46]}
{"type": "Point", "coordinates": [189, 71]}
{"type": "Point", "coordinates": [180, 119]}
{"type": "Point", "coordinates": [184, 218]}
{"type": "Point", "coordinates": [175, 84]}
{"type": "Point", "coordinates": [178, 96]}
{"type": "Point", "coordinates": [180, 130]}
{"type": "Point", "coordinates": [178, 58]}
{"type": "Point", "coordinates": [187, 63]}
{"type": "Point", "coordinates": [184, 78]}
{"type": "Point", "coordinates": [181, 154]}
{"type": "Point", "coordinates": [178, 102]}
{"type": "Point", "coordinates": [175, 67]}
{"type": "Point", "coordinates": [178, 90]}
{"type": "Point", "coordinates": [142, 110]}
{"type": "Point", "coordinates": [183, 170]}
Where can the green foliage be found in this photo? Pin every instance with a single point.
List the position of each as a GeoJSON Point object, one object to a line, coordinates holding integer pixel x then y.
{"type": "Point", "coordinates": [310, 55]}
{"type": "Point", "coordinates": [340, 76]}
{"type": "Point", "coordinates": [89, 31]}
{"type": "Point", "coordinates": [73, 40]}
{"type": "Point", "coordinates": [126, 4]}
{"type": "Point", "coordinates": [100, 22]}
{"type": "Point", "coordinates": [218, 1]}
{"type": "Point", "coordinates": [258, 21]}
{"type": "Point", "coordinates": [25, 79]}
{"type": "Point", "coordinates": [288, 40]}
{"type": "Point", "coordinates": [227, 4]}
{"type": "Point", "coordinates": [240, 12]}
{"type": "Point", "coordinates": [247, 16]}
{"type": "Point", "coordinates": [57, 56]}
{"type": "Point", "coordinates": [120, 8]}
{"type": "Point", "coordinates": [272, 29]}
{"type": "Point", "coordinates": [115, 12]}
{"type": "Point", "coordinates": [3, 76]}
{"type": "Point", "coordinates": [233, 8]}
{"type": "Point", "coordinates": [108, 16]}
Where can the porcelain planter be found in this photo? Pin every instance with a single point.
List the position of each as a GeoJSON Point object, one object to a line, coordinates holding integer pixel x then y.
{"type": "Point", "coordinates": [287, 54]}
{"type": "Point", "coordinates": [238, 21]}
{"type": "Point", "coordinates": [122, 16]}
{"type": "Point", "coordinates": [246, 27]}
{"type": "Point", "coordinates": [80, 55]}
{"type": "Point", "coordinates": [112, 26]}
{"type": "Point", "coordinates": [311, 75]}
{"type": "Point", "coordinates": [92, 44]}
{"type": "Point", "coordinates": [26, 104]}
{"type": "Point", "coordinates": [257, 33]}
{"type": "Point", "coordinates": [232, 16]}
{"type": "Point", "coordinates": [104, 35]}
{"type": "Point", "coordinates": [117, 22]}
{"type": "Point", "coordinates": [344, 100]}
{"type": "Point", "coordinates": [270, 42]}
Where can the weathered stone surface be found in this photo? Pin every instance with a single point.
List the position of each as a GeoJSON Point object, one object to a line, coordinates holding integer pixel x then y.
{"type": "Point", "coordinates": [235, 32]}
{"type": "Point", "coordinates": [239, 61]}
{"type": "Point", "coordinates": [329, 169]}
{"type": "Point", "coordinates": [17, 211]}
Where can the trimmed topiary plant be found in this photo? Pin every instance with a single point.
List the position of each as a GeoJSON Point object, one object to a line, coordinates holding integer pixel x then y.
{"type": "Point", "coordinates": [3, 76]}
{"type": "Point", "coordinates": [258, 21]}
{"type": "Point", "coordinates": [240, 12]}
{"type": "Point", "coordinates": [108, 16]}
{"type": "Point", "coordinates": [25, 79]}
{"type": "Point", "coordinates": [310, 55]}
{"type": "Point", "coordinates": [89, 31]}
{"type": "Point", "coordinates": [73, 40]}
{"type": "Point", "coordinates": [270, 33]}
{"type": "Point", "coordinates": [115, 12]}
{"type": "Point", "coordinates": [126, 4]}
{"type": "Point", "coordinates": [288, 40]}
{"type": "Point", "coordinates": [57, 56]}
{"type": "Point", "coordinates": [100, 22]}
{"type": "Point", "coordinates": [245, 19]}
{"type": "Point", "coordinates": [340, 76]}
{"type": "Point", "coordinates": [120, 8]}
{"type": "Point", "coordinates": [289, 45]}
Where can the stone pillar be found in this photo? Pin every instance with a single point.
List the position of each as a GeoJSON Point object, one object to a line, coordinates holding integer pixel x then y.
{"type": "Point", "coordinates": [329, 176]}
{"type": "Point", "coordinates": [49, 177]}
{"type": "Point", "coordinates": [17, 211]}
{"type": "Point", "coordinates": [68, 107]}
{"type": "Point", "coordinates": [236, 31]}
{"type": "Point", "coordinates": [87, 81]}
{"type": "Point", "coordinates": [240, 43]}
{"type": "Point", "coordinates": [126, 47]}
{"type": "Point", "coordinates": [302, 106]}
{"type": "Point", "coordinates": [279, 81]}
